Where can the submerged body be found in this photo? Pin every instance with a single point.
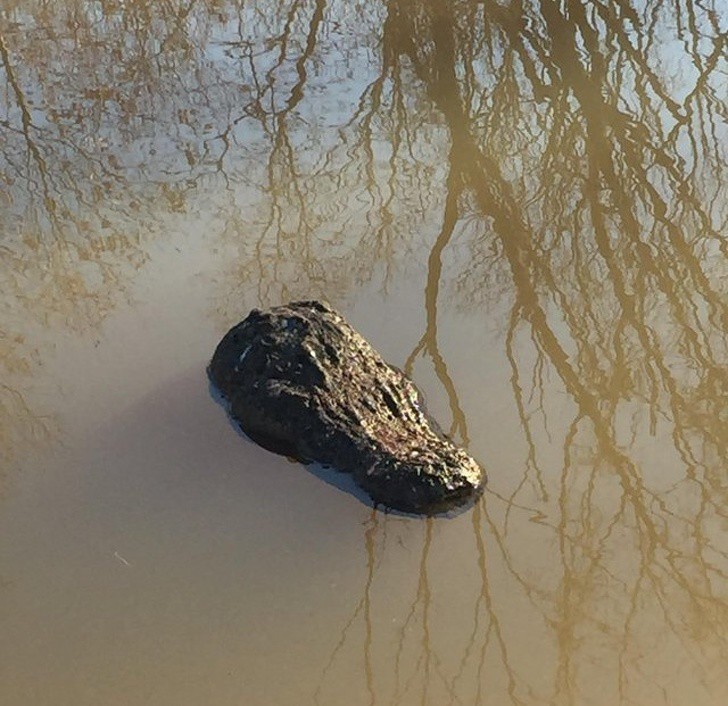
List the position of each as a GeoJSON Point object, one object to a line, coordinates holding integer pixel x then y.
{"type": "Point", "coordinates": [302, 382]}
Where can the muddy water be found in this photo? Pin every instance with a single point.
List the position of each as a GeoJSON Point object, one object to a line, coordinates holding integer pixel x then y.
{"type": "Point", "coordinates": [523, 204]}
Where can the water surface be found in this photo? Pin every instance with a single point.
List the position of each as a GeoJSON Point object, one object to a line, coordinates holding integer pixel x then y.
{"type": "Point", "coordinates": [523, 204]}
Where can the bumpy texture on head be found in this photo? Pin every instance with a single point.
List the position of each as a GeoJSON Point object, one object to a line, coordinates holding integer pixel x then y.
{"type": "Point", "coordinates": [300, 381]}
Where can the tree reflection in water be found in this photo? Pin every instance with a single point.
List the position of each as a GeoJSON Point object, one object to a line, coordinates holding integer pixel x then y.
{"type": "Point", "coordinates": [574, 154]}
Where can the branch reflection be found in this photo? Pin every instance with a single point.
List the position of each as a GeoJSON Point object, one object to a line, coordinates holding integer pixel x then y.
{"type": "Point", "coordinates": [555, 170]}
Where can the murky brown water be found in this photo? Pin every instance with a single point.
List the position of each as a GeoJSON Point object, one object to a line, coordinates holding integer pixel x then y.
{"type": "Point", "coordinates": [522, 203]}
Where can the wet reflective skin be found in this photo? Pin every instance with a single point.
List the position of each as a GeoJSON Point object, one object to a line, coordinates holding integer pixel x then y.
{"type": "Point", "coordinates": [522, 204]}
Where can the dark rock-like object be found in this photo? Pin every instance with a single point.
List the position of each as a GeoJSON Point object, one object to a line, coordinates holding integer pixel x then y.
{"type": "Point", "coordinates": [301, 382]}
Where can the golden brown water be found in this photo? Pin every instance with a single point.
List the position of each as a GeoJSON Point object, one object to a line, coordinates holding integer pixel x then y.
{"type": "Point", "coordinates": [524, 204]}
